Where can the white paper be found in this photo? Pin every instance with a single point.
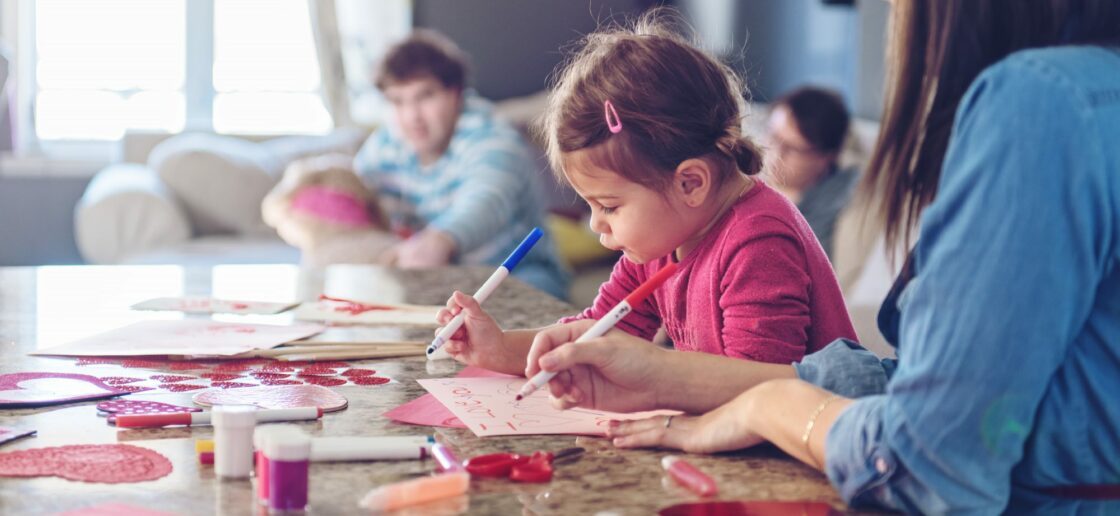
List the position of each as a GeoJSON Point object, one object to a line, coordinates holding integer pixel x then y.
{"type": "Point", "coordinates": [488, 407]}
{"type": "Point", "coordinates": [335, 312]}
{"type": "Point", "coordinates": [209, 305]}
{"type": "Point", "coordinates": [199, 337]}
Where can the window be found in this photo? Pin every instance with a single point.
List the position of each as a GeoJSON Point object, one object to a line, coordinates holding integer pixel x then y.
{"type": "Point", "coordinates": [231, 66]}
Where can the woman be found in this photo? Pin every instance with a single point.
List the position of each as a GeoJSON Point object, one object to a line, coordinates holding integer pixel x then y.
{"type": "Point", "coordinates": [1007, 317]}
{"type": "Point", "coordinates": [806, 130]}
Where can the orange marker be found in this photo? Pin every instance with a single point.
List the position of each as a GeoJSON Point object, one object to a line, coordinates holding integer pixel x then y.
{"type": "Point", "coordinates": [411, 492]}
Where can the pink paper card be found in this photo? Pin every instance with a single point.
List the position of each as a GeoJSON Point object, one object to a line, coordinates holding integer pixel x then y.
{"type": "Point", "coordinates": [21, 390]}
{"type": "Point", "coordinates": [192, 337]}
{"type": "Point", "coordinates": [428, 411]}
{"type": "Point", "coordinates": [487, 406]}
{"type": "Point", "coordinates": [209, 305]}
{"type": "Point", "coordinates": [10, 434]}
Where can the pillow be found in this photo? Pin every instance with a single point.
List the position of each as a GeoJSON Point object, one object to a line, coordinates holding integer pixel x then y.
{"type": "Point", "coordinates": [219, 180]}
{"type": "Point", "coordinates": [125, 211]}
{"type": "Point", "coordinates": [576, 244]}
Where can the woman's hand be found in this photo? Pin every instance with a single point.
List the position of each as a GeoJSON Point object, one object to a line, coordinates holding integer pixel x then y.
{"type": "Point", "coordinates": [617, 372]}
{"type": "Point", "coordinates": [479, 341]}
{"type": "Point", "coordinates": [728, 427]}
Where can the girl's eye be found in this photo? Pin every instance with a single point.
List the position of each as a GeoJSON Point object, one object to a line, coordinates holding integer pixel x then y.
{"type": "Point", "coordinates": [607, 210]}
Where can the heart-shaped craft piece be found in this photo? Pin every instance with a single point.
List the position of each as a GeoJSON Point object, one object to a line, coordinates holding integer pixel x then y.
{"type": "Point", "coordinates": [105, 463]}
{"type": "Point", "coordinates": [22, 390]}
{"type": "Point", "coordinates": [142, 407]}
{"type": "Point", "coordinates": [275, 397]}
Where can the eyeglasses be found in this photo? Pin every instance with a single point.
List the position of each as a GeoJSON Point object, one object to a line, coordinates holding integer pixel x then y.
{"type": "Point", "coordinates": [784, 147]}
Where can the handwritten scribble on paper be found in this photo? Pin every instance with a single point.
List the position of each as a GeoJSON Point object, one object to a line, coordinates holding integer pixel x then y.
{"type": "Point", "coordinates": [487, 406]}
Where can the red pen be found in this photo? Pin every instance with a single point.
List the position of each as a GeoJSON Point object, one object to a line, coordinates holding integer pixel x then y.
{"type": "Point", "coordinates": [688, 476]}
{"type": "Point", "coordinates": [203, 418]}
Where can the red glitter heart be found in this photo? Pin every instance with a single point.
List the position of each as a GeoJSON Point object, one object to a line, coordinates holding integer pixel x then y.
{"type": "Point", "coordinates": [231, 385]}
{"type": "Point", "coordinates": [331, 365]}
{"type": "Point", "coordinates": [280, 381]}
{"type": "Point", "coordinates": [141, 363]}
{"type": "Point", "coordinates": [358, 372]}
{"type": "Point", "coordinates": [325, 381]}
{"type": "Point", "coordinates": [105, 463]}
{"type": "Point", "coordinates": [235, 366]}
{"type": "Point", "coordinates": [120, 380]}
{"type": "Point", "coordinates": [171, 378]}
{"type": "Point", "coordinates": [84, 361]}
{"type": "Point", "coordinates": [316, 371]}
{"type": "Point", "coordinates": [180, 387]}
{"type": "Point", "coordinates": [132, 388]}
{"type": "Point", "coordinates": [185, 366]}
{"type": "Point", "coordinates": [268, 376]}
{"type": "Point", "coordinates": [221, 377]}
{"type": "Point", "coordinates": [277, 368]}
{"type": "Point", "coordinates": [370, 380]}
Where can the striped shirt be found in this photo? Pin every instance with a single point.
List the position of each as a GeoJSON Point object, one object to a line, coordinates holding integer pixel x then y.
{"type": "Point", "coordinates": [483, 191]}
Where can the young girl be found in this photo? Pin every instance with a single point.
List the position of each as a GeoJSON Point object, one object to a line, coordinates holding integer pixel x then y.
{"type": "Point", "coordinates": [646, 128]}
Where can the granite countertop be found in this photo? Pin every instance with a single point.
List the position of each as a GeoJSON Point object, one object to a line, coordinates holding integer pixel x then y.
{"type": "Point", "coordinates": [604, 480]}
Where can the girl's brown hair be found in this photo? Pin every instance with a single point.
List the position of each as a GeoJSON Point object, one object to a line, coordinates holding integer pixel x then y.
{"type": "Point", "coordinates": [674, 102]}
{"type": "Point", "coordinates": [938, 48]}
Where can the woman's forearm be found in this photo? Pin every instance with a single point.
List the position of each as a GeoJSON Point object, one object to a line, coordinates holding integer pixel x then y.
{"type": "Point", "coordinates": [696, 382]}
{"type": "Point", "coordinates": [787, 412]}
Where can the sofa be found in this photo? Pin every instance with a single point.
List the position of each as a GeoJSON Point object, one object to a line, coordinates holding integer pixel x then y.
{"type": "Point", "coordinates": [194, 199]}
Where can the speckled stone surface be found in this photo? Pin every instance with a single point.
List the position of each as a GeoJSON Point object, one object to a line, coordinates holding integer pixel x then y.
{"type": "Point", "coordinates": [47, 306]}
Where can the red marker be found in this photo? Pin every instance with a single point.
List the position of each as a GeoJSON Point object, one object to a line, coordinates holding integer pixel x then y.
{"type": "Point", "coordinates": [687, 475]}
{"type": "Point", "coordinates": [606, 322]}
{"type": "Point", "coordinates": [203, 418]}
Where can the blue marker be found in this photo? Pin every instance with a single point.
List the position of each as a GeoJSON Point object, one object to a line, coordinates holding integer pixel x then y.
{"type": "Point", "coordinates": [435, 350]}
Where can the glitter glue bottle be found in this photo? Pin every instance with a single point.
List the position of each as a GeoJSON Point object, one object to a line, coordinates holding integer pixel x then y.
{"type": "Point", "coordinates": [261, 435]}
{"type": "Point", "coordinates": [233, 440]}
{"type": "Point", "coordinates": [288, 453]}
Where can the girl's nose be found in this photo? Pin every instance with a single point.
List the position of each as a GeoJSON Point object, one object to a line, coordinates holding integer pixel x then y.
{"type": "Point", "coordinates": [597, 224]}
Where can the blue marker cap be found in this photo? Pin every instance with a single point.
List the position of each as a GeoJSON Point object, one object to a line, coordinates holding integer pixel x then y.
{"type": "Point", "coordinates": [522, 249]}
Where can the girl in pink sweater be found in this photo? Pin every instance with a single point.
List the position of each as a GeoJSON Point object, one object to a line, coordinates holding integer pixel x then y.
{"type": "Point", "coordinates": [646, 128]}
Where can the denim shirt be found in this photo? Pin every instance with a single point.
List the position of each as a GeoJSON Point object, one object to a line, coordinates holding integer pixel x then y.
{"type": "Point", "coordinates": [1008, 380]}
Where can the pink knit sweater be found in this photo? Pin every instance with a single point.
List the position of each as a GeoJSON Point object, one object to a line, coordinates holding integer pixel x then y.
{"type": "Point", "coordinates": [758, 286]}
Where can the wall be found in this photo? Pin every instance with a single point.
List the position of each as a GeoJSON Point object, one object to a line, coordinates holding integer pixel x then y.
{"type": "Point", "coordinates": [514, 45]}
{"type": "Point", "coordinates": [37, 219]}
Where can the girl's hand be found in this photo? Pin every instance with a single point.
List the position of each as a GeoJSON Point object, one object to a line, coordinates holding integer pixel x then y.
{"type": "Point", "coordinates": [728, 427]}
{"type": "Point", "coordinates": [479, 341]}
{"type": "Point", "coordinates": [617, 372]}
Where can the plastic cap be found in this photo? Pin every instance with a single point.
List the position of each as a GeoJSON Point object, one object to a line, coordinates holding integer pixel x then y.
{"type": "Point", "coordinates": [233, 415]}
{"type": "Point", "coordinates": [287, 443]}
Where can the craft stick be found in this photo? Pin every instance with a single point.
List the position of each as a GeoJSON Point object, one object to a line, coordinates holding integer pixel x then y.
{"type": "Point", "coordinates": [354, 355]}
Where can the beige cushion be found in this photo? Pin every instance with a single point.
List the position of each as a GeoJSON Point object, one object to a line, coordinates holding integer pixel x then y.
{"type": "Point", "coordinates": [125, 211]}
{"type": "Point", "coordinates": [219, 180]}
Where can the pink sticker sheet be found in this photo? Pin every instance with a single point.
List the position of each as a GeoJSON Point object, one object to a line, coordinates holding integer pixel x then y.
{"type": "Point", "coordinates": [488, 407]}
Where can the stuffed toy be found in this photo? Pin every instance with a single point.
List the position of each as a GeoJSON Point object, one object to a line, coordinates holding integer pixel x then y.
{"type": "Point", "coordinates": [322, 207]}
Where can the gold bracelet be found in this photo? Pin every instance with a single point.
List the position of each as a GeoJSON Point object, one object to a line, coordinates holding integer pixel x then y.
{"type": "Point", "coordinates": [812, 422]}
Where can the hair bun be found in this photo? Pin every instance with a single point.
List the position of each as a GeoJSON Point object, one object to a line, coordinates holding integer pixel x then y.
{"type": "Point", "coordinates": [747, 156]}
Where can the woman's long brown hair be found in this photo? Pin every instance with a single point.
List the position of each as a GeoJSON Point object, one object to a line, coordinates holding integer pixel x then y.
{"type": "Point", "coordinates": [938, 47]}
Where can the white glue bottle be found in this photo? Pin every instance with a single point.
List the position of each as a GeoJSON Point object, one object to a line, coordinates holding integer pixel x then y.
{"type": "Point", "coordinates": [233, 439]}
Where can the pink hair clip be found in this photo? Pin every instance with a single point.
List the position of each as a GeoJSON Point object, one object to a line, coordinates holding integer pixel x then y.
{"type": "Point", "coordinates": [614, 125]}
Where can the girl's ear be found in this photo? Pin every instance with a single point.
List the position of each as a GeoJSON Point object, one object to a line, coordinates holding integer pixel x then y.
{"type": "Point", "coordinates": [693, 181]}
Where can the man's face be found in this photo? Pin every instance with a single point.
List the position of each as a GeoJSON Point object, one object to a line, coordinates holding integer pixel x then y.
{"type": "Point", "coordinates": [426, 112]}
